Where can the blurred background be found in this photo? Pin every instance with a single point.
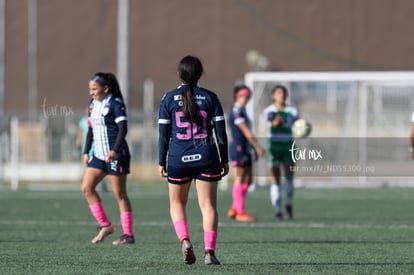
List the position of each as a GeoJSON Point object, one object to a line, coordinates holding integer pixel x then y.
{"type": "Point", "coordinates": [49, 50]}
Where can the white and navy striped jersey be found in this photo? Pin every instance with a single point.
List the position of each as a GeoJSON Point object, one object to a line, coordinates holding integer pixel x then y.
{"type": "Point", "coordinates": [103, 118]}
{"type": "Point", "coordinates": [191, 144]}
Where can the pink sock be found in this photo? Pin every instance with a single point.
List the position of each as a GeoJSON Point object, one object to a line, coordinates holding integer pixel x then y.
{"type": "Point", "coordinates": [99, 213]}
{"type": "Point", "coordinates": [126, 222]}
{"type": "Point", "coordinates": [181, 229]}
{"type": "Point", "coordinates": [238, 198]}
{"type": "Point", "coordinates": [210, 240]}
{"type": "Point", "coordinates": [245, 188]}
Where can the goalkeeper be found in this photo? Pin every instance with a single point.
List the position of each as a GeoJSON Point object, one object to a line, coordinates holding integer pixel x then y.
{"type": "Point", "coordinates": [280, 118]}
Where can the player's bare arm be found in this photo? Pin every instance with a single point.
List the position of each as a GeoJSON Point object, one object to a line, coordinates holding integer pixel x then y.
{"type": "Point", "coordinates": [253, 141]}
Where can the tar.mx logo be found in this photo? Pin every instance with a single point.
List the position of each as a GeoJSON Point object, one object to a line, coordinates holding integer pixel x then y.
{"type": "Point", "coordinates": [304, 154]}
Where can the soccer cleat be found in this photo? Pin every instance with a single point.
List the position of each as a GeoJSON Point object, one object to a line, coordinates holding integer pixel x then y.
{"type": "Point", "coordinates": [232, 213]}
{"type": "Point", "coordinates": [124, 239]}
{"type": "Point", "coordinates": [289, 211]}
{"type": "Point", "coordinates": [188, 252]}
{"type": "Point", "coordinates": [210, 258]}
{"type": "Point", "coordinates": [244, 217]}
{"type": "Point", "coordinates": [104, 231]}
{"type": "Point", "coordinates": [279, 216]}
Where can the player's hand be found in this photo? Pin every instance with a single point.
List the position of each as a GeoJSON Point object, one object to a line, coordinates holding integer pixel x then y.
{"type": "Point", "coordinates": [111, 156]}
{"type": "Point", "coordinates": [260, 152]}
{"type": "Point", "coordinates": [278, 120]}
{"type": "Point", "coordinates": [162, 171]}
{"type": "Point", "coordinates": [224, 169]}
{"type": "Point", "coordinates": [85, 159]}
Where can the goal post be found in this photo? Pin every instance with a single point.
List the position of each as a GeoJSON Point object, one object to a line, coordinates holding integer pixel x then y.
{"type": "Point", "coordinates": [359, 105]}
{"type": "Point", "coordinates": [321, 93]}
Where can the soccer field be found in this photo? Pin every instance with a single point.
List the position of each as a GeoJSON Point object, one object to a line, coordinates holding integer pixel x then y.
{"type": "Point", "coordinates": [341, 231]}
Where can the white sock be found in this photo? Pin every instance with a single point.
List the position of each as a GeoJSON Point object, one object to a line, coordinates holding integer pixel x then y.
{"type": "Point", "coordinates": [275, 197]}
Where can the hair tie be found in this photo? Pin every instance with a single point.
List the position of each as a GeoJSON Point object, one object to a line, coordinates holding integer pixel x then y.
{"type": "Point", "coordinates": [243, 92]}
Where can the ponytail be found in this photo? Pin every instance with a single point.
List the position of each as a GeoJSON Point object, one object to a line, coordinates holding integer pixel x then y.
{"type": "Point", "coordinates": [189, 107]}
{"type": "Point", "coordinates": [190, 70]}
{"type": "Point", "coordinates": [114, 85]}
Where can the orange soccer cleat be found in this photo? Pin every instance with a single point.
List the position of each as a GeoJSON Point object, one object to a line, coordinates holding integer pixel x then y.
{"type": "Point", "coordinates": [244, 217]}
{"type": "Point", "coordinates": [232, 213]}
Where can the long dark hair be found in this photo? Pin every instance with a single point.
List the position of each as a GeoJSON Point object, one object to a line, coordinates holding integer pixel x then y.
{"type": "Point", "coordinates": [190, 69]}
{"type": "Point", "coordinates": [108, 79]}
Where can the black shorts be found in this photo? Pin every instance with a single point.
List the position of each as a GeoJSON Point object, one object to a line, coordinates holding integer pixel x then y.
{"type": "Point", "coordinates": [240, 155]}
{"type": "Point", "coordinates": [182, 175]}
{"type": "Point", "coordinates": [118, 167]}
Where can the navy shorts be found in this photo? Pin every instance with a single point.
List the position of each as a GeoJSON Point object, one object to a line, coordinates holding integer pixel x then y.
{"type": "Point", "coordinates": [118, 167]}
{"type": "Point", "coordinates": [240, 155]}
{"type": "Point", "coordinates": [181, 175]}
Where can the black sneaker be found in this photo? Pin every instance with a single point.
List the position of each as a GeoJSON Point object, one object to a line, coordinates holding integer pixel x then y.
{"type": "Point", "coordinates": [188, 252]}
{"type": "Point", "coordinates": [210, 258]}
{"type": "Point", "coordinates": [289, 211]}
{"type": "Point", "coordinates": [279, 216]}
{"type": "Point", "coordinates": [124, 239]}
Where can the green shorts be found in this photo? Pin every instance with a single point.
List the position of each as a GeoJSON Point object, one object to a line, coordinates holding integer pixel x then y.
{"type": "Point", "coordinates": [279, 152]}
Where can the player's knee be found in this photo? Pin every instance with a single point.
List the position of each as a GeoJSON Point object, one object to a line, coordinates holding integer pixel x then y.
{"type": "Point", "coordinates": [207, 206]}
{"type": "Point", "coordinates": [87, 189]}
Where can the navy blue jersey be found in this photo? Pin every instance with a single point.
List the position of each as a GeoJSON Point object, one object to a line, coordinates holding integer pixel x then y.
{"type": "Point", "coordinates": [103, 118]}
{"type": "Point", "coordinates": [187, 143]}
{"type": "Point", "coordinates": [238, 115]}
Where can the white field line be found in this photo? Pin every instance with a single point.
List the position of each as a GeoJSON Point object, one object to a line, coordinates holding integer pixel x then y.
{"type": "Point", "coordinates": [408, 196]}
{"type": "Point", "coordinates": [258, 225]}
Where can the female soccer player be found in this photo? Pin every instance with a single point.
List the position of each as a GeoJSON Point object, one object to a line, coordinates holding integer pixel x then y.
{"type": "Point", "coordinates": [281, 118]}
{"type": "Point", "coordinates": [107, 131]}
{"type": "Point", "coordinates": [186, 121]}
{"type": "Point", "coordinates": [240, 153]}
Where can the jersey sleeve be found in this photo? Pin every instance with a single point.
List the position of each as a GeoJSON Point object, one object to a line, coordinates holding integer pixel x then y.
{"type": "Point", "coordinates": [270, 113]}
{"type": "Point", "coordinates": [164, 129]}
{"type": "Point", "coordinates": [238, 115]}
{"type": "Point", "coordinates": [295, 114]}
{"type": "Point", "coordinates": [219, 123]}
{"type": "Point", "coordinates": [119, 110]}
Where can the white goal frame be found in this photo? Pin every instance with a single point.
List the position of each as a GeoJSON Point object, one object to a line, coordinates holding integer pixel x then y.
{"type": "Point", "coordinates": [362, 79]}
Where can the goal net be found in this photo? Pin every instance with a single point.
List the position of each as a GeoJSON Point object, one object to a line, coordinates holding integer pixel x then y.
{"type": "Point", "coordinates": [357, 118]}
